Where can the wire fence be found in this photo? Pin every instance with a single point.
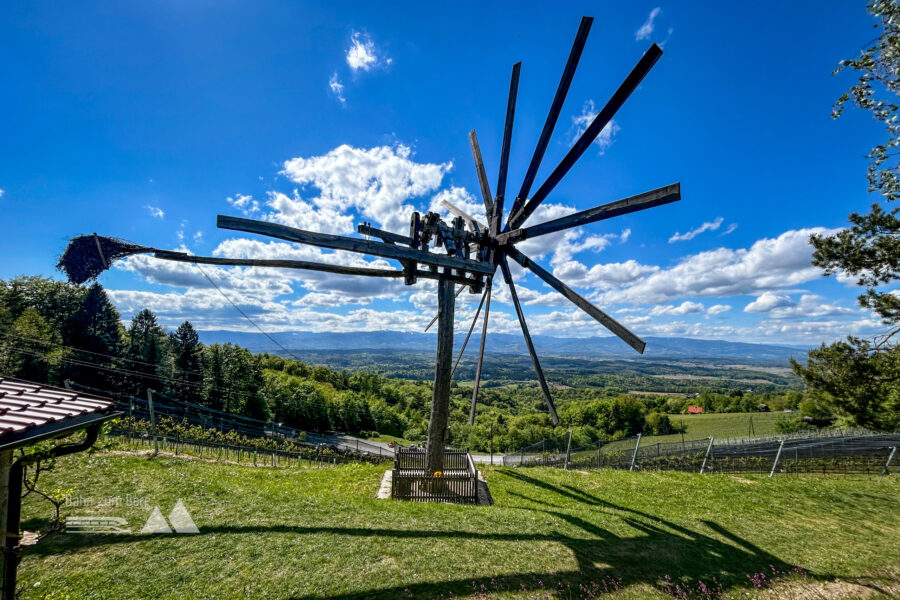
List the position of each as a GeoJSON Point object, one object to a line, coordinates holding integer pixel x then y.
{"type": "Point", "coordinates": [180, 411]}
{"type": "Point", "coordinates": [826, 452]}
{"type": "Point", "coordinates": [304, 456]}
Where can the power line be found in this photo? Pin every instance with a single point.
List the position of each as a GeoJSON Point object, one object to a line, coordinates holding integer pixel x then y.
{"type": "Point", "coordinates": [252, 322]}
{"type": "Point", "coordinates": [77, 349]}
{"type": "Point", "coordinates": [245, 315]}
{"type": "Point", "coordinates": [130, 372]}
{"type": "Point", "coordinates": [127, 372]}
{"type": "Point", "coordinates": [337, 384]}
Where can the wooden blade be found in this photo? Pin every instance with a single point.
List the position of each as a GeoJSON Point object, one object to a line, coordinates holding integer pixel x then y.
{"type": "Point", "coordinates": [473, 223]}
{"type": "Point", "coordinates": [587, 138]}
{"type": "Point", "coordinates": [385, 236]}
{"type": "Point", "coordinates": [553, 115]}
{"type": "Point", "coordinates": [337, 242]}
{"type": "Point", "coordinates": [534, 359]}
{"type": "Point", "coordinates": [482, 176]}
{"type": "Point", "coordinates": [432, 321]}
{"type": "Point", "coordinates": [504, 151]}
{"type": "Point", "coordinates": [658, 197]}
{"type": "Point", "coordinates": [603, 318]}
{"type": "Point", "coordinates": [468, 335]}
{"type": "Point", "coordinates": [478, 365]}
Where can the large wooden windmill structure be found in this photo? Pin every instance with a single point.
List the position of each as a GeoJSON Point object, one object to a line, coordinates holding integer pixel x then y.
{"type": "Point", "coordinates": [463, 253]}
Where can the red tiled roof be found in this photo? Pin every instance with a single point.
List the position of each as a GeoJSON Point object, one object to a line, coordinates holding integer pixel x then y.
{"type": "Point", "coordinates": [31, 410]}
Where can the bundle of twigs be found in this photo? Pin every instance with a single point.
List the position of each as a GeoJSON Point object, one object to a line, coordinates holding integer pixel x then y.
{"type": "Point", "coordinates": [87, 256]}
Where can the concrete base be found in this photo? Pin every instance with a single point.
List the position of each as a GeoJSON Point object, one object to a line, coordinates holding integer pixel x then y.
{"type": "Point", "coordinates": [384, 491]}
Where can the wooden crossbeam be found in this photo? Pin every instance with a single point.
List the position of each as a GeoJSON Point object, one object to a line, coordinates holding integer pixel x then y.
{"type": "Point", "coordinates": [309, 266]}
{"type": "Point", "coordinates": [337, 242]}
{"type": "Point", "coordinates": [278, 263]}
{"type": "Point", "coordinates": [658, 197]}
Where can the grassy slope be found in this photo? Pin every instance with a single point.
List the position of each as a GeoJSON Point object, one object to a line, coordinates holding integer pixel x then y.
{"type": "Point", "coordinates": [390, 438]}
{"type": "Point", "coordinates": [292, 533]}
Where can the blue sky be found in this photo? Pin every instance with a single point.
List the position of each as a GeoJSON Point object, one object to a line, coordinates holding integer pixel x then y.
{"type": "Point", "coordinates": [145, 120]}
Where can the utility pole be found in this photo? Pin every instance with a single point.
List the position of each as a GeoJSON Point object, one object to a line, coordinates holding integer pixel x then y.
{"type": "Point", "coordinates": [492, 444]}
{"type": "Point", "coordinates": [152, 421]}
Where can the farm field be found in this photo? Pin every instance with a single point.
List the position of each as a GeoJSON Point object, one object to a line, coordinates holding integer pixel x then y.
{"type": "Point", "coordinates": [320, 533]}
{"type": "Point", "coordinates": [720, 425]}
{"type": "Point", "coordinates": [390, 438]}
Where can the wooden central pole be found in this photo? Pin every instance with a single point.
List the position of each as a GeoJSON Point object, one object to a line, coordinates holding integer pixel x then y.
{"type": "Point", "coordinates": [440, 398]}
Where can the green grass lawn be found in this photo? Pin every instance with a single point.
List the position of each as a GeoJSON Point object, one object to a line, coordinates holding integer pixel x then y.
{"type": "Point", "coordinates": [320, 533]}
{"type": "Point", "coordinates": [721, 425]}
{"type": "Point", "coordinates": [390, 438]}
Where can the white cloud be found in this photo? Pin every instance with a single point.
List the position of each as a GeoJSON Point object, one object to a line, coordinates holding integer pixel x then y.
{"type": "Point", "coordinates": [709, 226]}
{"type": "Point", "coordinates": [767, 301]}
{"type": "Point", "coordinates": [198, 238]}
{"type": "Point", "coordinates": [155, 211]}
{"type": "Point", "coordinates": [379, 182]}
{"type": "Point", "coordinates": [716, 309]}
{"type": "Point", "coordinates": [296, 212]}
{"type": "Point", "coordinates": [646, 30]}
{"type": "Point", "coordinates": [362, 54]}
{"type": "Point", "coordinates": [1, 193]}
{"type": "Point", "coordinates": [244, 203]}
{"type": "Point", "coordinates": [337, 88]}
{"type": "Point", "coordinates": [581, 122]}
{"type": "Point", "coordinates": [769, 264]}
{"type": "Point", "coordinates": [384, 184]}
{"type": "Point", "coordinates": [685, 308]}
{"type": "Point", "coordinates": [730, 229]}
{"type": "Point", "coordinates": [816, 331]}
{"type": "Point", "coordinates": [635, 320]}
{"type": "Point", "coordinates": [575, 242]}
{"type": "Point", "coordinates": [603, 276]}
{"type": "Point", "coordinates": [783, 307]}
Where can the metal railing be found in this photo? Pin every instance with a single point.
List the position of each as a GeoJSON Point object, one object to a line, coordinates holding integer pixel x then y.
{"type": "Point", "coordinates": [830, 451]}
{"type": "Point", "coordinates": [224, 422]}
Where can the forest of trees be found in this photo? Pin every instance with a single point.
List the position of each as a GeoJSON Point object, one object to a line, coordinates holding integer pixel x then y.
{"type": "Point", "coordinates": [53, 331]}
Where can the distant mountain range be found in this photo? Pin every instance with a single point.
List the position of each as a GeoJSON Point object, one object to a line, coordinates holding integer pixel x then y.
{"type": "Point", "coordinates": [390, 342]}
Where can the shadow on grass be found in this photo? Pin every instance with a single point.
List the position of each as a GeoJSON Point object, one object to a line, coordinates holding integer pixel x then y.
{"type": "Point", "coordinates": [663, 555]}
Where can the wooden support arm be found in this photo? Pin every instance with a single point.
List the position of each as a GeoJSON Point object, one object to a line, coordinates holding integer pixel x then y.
{"type": "Point", "coordinates": [337, 242]}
